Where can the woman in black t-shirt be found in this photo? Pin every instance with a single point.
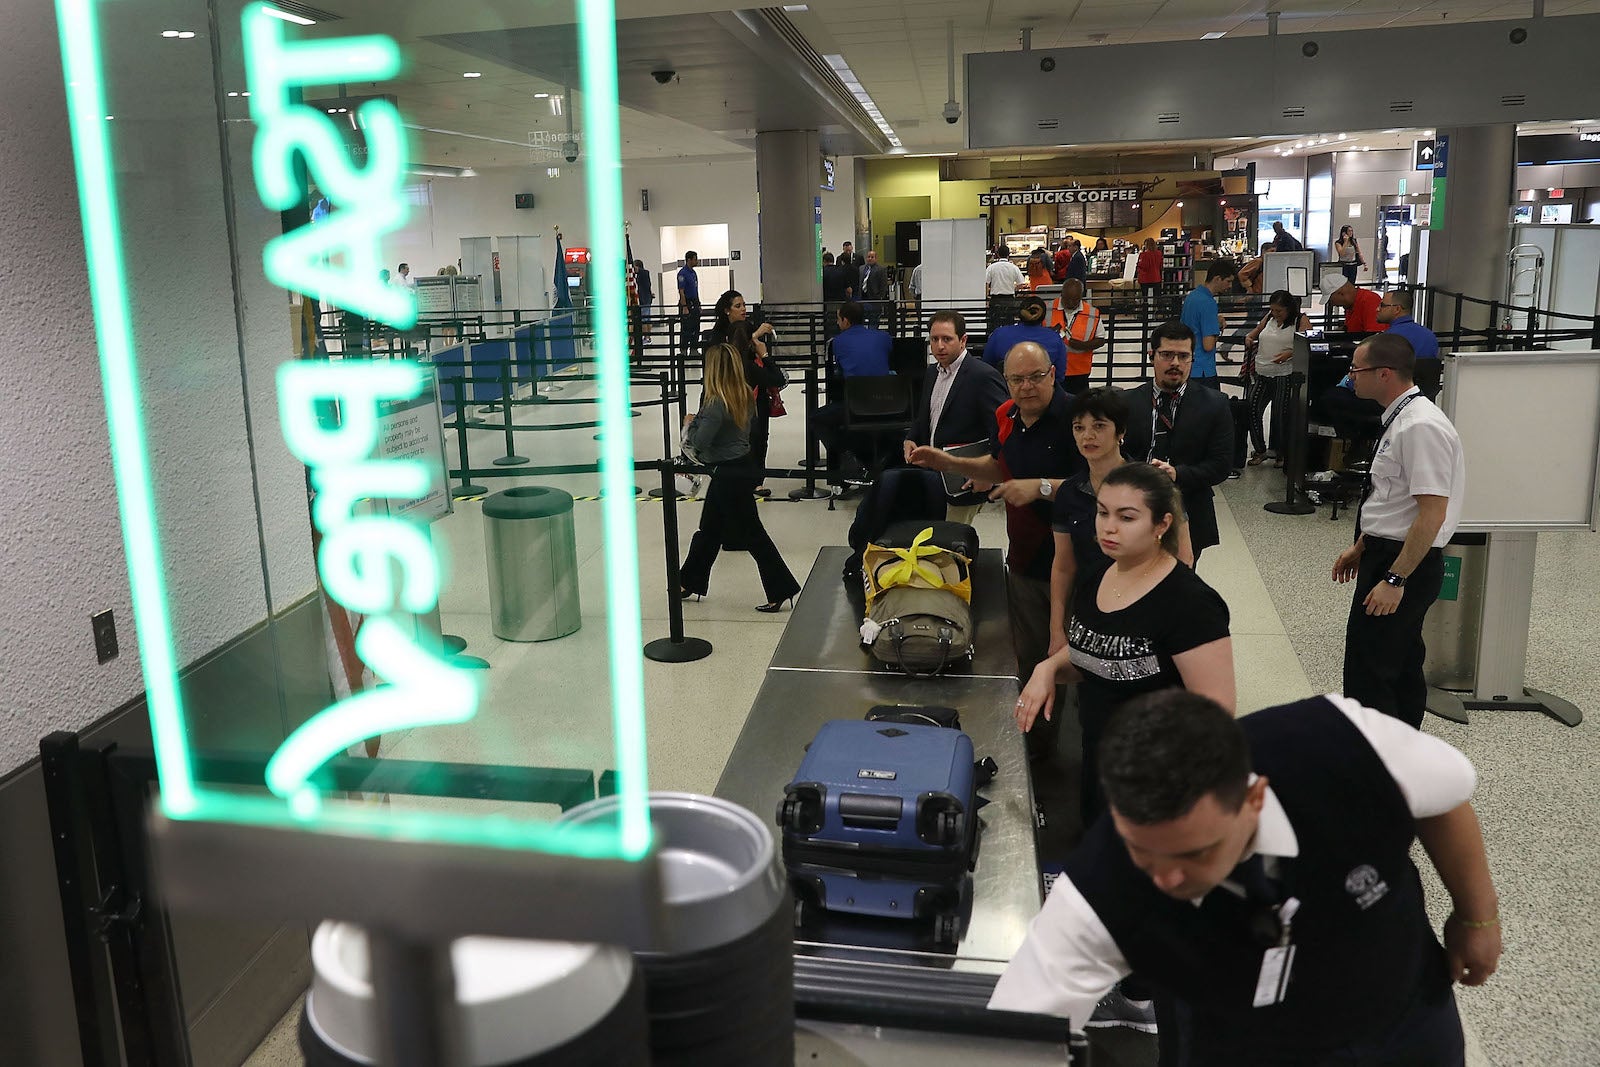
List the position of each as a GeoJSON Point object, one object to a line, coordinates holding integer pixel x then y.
{"type": "Point", "coordinates": [1140, 621]}
{"type": "Point", "coordinates": [1099, 423]}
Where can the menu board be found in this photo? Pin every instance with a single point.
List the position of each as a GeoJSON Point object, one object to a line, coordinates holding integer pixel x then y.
{"type": "Point", "coordinates": [1131, 215]}
{"type": "Point", "coordinates": [1069, 216]}
{"type": "Point", "coordinates": [1097, 216]}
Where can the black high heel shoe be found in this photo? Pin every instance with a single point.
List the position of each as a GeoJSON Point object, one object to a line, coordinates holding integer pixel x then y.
{"type": "Point", "coordinates": [684, 594]}
{"type": "Point", "coordinates": [776, 606]}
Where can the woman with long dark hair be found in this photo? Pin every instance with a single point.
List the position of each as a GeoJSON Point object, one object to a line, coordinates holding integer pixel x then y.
{"type": "Point", "coordinates": [1272, 342]}
{"type": "Point", "coordinates": [719, 437]}
{"type": "Point", "coordinates": [732, 326]}
{"type": "Point", "coordinates": [1349, 252]}
{"type": "Point", "coordinates": [1141, 621]}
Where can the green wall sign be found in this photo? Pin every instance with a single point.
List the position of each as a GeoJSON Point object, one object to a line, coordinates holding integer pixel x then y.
{"type": "Point", "coordinates": [380, 566]}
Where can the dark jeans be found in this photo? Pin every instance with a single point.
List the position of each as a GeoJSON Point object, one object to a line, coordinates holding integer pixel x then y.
{"type": "Point", "coordinates": [689, 332]}
{"type": "Point", "coordinates": [1429, 1034]}
{"type": "Point", "coordinates": [731, 520]}
{"type": "Point", "coordinates": [1383, 653]}
{"type": "Point", "coordinates": [1075, 383]}
{"type": "Point", "coordinates": [1264, 391]}
{"type": "Point", "coordinates": [1350, 270]}
{"type": "Point", "coordinates": [1030, 633]}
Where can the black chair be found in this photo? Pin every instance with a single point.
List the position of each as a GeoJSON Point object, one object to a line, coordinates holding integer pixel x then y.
{"type": "Point", "coordinates": [876, 409]}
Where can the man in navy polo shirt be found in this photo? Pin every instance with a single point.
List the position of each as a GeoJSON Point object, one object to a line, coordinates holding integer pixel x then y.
{"type": "Point", "coordinates": [1395, 312]}
{"type": "Point", "coordinates": [1258, 872]}
{"type": "Point", "coordinates": [1032, 454]}
{"type": "Point", "coordinates": [858, 351]}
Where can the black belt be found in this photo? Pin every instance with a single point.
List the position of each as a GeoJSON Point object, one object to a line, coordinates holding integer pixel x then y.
{"type": "Point", "coordinates": [1393, 545]}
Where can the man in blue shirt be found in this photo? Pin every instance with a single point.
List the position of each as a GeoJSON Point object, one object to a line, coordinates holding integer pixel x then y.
{"type": "Point", "coordinates": [689, 304]}
{"type": "Point", "coordinates": [1200, 315]}
{"type": "Point", "coordinates": [1395, 312]}
{"type": "Point", "coordinates": [857, 350]}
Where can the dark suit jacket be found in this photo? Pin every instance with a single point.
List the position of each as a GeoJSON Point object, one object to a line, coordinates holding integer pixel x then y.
{"type": "Point", "coordinates": [874, 283]}
{"type": "Point", "coordinates": [838, 282]}
{"type": "Point", "coordinates": [1202, 450]}
{"type": "Point", "coordinates": [968, 414]}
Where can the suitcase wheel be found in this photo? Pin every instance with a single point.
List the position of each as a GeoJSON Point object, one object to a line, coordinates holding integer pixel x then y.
{"type": "Point", "coordinates": [944, 930]}
{"type": "Point", "coordinates": [801, 810]}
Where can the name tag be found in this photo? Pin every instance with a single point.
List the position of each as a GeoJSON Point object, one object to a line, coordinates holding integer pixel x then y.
{"type": "Point", "coordinates": [1272, 984]}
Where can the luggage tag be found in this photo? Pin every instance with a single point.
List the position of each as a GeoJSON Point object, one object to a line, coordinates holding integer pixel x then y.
{"type": "Point", "coordinates": [1272, 984]}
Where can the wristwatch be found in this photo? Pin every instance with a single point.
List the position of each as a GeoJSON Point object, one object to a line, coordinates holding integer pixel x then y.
{"type": "Point", "coordinates": [1045, 488]}
{"type": "Point", "coordinates": [1396, 580]}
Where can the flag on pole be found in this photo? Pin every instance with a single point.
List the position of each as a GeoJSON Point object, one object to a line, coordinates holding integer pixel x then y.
{"type": "Point", "coordinates": [633, 277]}
{"type": "Point", "coordinates": [635, 326]}
{"type": "Point", "coordinates": [563, 295]}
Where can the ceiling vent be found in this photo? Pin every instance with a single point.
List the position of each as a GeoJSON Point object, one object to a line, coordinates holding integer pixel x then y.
{"type": "Point", "coordinates": [1294, 112]}
{"type": "Point", "coordinates": [1048, 124]}
{"type": "Point", "coordinates": [1168, 117]}
{"type": "Point", "coordinates": [1514, 100]}
{"type": "Point", "coordinates": [1400, 107]}
{"type": "Point", "coordinates": [306, 11]}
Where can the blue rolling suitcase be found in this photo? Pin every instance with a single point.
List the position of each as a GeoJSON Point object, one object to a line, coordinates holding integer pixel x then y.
{"type": "Point", "coordinates": [881, 819]}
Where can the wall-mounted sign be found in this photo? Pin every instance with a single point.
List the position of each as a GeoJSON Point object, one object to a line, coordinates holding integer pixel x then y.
{"type": "Point", "coordinates": [1422, 155]}
{"type": "Point", "coordinates": [577, 255]}
{"type": "Point", "coordinates": [1025, 197]}
{"type": "Point", "coordinates": [1558, 148]}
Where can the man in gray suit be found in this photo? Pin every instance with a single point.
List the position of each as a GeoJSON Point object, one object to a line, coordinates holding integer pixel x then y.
{"type": "Point", "coordinates": [959, 398]}
{"type": "Point", "coordinates": [874, 289]}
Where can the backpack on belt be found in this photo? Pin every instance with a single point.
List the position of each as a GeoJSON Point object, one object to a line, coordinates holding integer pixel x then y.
{"type": "Point", "coordinates": [919, 597]}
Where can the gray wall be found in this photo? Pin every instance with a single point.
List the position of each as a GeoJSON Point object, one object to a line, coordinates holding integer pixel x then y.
{"type": "Point", "coordinates": [232, 505]}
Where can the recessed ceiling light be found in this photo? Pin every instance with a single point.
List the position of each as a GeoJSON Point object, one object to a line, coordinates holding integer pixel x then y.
{"type": "Point", "coordinates": [473, 74]}
{"type": "Point", "coordinates": [233, 94]}
{"type": "Point", "coordinates": [541, 96]}
{"type": "Point", "coordinates": [1366, 148]}
{"type": "Point", "coordinates": [796, 7]}
{"type": "Point", "coordinates": [1427, 133]}
{"type": "Point", "coordinates": [169, 33]}
{"type": "Point", "coordinates": [1343, 136]}
{"type": "Point", "coordinates": [298, 20]}
{"type": "Point", "coordinates": [1213, 35]}
{"type": "Point", "coordinates": [1180, 203]}
{"type": "Point", "coordinates": [185, 34]}
{"type": "Point", "coordinates": [245, 93]}
{"type": "Point", "coordinates": [110, 117]}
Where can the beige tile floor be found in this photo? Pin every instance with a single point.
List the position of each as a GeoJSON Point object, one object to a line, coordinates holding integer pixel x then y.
{"type": "Point", "coordinates": [547, 702]}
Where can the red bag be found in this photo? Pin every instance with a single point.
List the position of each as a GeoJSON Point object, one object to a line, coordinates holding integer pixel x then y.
{"type": "Point", "coordinates": [775, 408]}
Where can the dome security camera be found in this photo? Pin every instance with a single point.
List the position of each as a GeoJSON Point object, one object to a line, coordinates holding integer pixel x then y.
{"type": "Point", "coordinates": [1518, 35]}
{"type": "Point", "coordinates": [952, 112]}
{"type": "Point", "coordinates": [1047, 64]}
{"type": "Point", "coordinates": [570, 150]}
{"type": "Point", "coordinates": [662, 77]}
{"type": "Point", "coordinates": [1310, 49]}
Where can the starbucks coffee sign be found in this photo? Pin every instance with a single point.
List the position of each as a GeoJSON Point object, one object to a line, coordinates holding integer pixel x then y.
{"type": "Point", "coordinates": [1024, 197]}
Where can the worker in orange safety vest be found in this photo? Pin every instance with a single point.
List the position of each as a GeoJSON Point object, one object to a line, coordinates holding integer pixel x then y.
{"type": "Point", "coordinates": [1080, 324]}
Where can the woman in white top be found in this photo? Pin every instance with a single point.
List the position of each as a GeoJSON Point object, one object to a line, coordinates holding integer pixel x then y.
{"type": "Point", "coordinates": [1272, 341]}
{"type": "Point", "coordinates": [1350, 258]}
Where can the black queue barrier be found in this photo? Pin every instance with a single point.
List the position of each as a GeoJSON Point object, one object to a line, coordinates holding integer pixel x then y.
{"type": "Point", "coordinates": [1294, 469]}
{"type": "Point", "coordinates": [813, 458]}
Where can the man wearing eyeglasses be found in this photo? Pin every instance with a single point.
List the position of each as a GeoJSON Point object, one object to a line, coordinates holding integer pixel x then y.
{"type": "Point", "coordinates": [1408, 512]}
{"type": "Point", "coordinates": [1394, 313]}
{"type": "Point", "coordinates": [1185, 431]}
{"type": "Point", "coordinates": [1031, 454]}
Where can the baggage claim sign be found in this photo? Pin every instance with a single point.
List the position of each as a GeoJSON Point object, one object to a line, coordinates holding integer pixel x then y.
{"type": "Point", "coordinates": [377, 565]}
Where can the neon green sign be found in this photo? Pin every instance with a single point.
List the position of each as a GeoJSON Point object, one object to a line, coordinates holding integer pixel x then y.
{"type": "Point", "coordinates": [382, 567]}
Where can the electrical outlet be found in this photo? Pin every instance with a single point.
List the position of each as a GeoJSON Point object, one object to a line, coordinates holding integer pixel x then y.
{"type": "Point", "coordinates": [105, 636]}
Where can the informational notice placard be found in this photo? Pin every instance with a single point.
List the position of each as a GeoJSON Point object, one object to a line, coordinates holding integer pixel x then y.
{"type": "Point", "coordinates": [469, 294]}
{"type": "Point", "coordinates": [434, 295]}
{"type": "Point", "coordinates": [414, 430]}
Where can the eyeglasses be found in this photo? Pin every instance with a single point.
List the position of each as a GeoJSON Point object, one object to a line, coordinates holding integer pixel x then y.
{"type": "Point", "coordinates": [1363, 370]}
{"type": "Point", "coordinates": [1175, 357]}
{"type": "Point", "coordinates": [1036, 378]}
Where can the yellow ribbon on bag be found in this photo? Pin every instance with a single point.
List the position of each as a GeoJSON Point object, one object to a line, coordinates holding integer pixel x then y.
{"type": "Point", "coordinates": [910, 568]}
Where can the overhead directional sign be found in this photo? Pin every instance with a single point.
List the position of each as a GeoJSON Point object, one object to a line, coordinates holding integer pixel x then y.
{"type": "Point", "coordinates": [1422, 155]}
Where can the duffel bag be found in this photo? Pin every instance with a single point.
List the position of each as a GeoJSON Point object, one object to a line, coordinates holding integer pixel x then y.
{"type": "Point", "coordinates": [921, 631]}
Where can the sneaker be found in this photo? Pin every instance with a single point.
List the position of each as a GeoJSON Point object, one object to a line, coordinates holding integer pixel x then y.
{"type": "Point", "coordinates": [1115, 1009]}
{"type": "Point", "coordinates": [1235, 474]}
{"type": "Point", "coordinates": [1322, 477]}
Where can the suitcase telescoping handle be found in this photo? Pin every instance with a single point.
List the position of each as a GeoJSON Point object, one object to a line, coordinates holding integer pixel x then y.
{"type": "Point", "coordinates": [946, 637]}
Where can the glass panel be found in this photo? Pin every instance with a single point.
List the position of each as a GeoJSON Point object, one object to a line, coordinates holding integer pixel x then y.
{"type": "Point", "coordinates": [278, 409]}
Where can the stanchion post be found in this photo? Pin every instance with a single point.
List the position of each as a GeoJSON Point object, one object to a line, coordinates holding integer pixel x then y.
{"type": "Point", "coordinates": [1294, 470]}
{"type": "Point", "coordinates": [668, 440]}
{"type": "Point", "coordinates": [510, 459]}
{"type": "Point", "coordinates": [466, 488]}
{"type": "Point", "coordinates": [812, 460]}
{"type": "Point", "coordinates": [675, 647]}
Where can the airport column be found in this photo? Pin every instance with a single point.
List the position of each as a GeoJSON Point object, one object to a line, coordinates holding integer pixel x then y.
{"type": "Point", "coordinates": [1468, 235]}
{"type": "Point", "coordinates": [788, 185]}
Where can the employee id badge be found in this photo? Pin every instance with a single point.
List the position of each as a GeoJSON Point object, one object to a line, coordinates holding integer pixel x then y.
{"type": "Point", "coordinates": [1272, 984]}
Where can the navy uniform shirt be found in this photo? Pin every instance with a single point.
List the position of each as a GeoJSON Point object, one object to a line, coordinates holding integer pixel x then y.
{"type": "Point", "coordinates": [1073, 514]}
{"type": "Point", "coordinates": [1030, 453]}
{"type": "Point", "coordinates": [862, 352]}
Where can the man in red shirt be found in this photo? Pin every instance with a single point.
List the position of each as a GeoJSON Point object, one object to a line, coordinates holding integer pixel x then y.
{"type": "Point", "coordinates": [1063, 257]}
{"type": "Point", "coordinates": [1361, 305]}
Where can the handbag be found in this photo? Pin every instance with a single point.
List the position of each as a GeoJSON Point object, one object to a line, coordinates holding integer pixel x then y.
{"type": "Point", "coordinates": [773, 393]}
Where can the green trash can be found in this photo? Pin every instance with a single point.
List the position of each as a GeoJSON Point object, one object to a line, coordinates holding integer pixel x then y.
{"type": "Point", "coordinates": [1455, 621]}
{"type": "Point", "coordinates": [533, 564]}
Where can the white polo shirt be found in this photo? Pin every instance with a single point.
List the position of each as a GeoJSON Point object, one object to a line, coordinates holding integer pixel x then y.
{"type": "Point", "coordinates": [1002, 278]}
{"type": "Point", "coordinates": [1069, 960]}
{"type": "Point", "coordinates": [1420, 455]}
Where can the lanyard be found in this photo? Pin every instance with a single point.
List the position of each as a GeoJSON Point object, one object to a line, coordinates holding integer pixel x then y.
{"type": "Point", "coordinates": [1156, 416]}
{"type": "Point", "coordinates": [1366, 488]}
